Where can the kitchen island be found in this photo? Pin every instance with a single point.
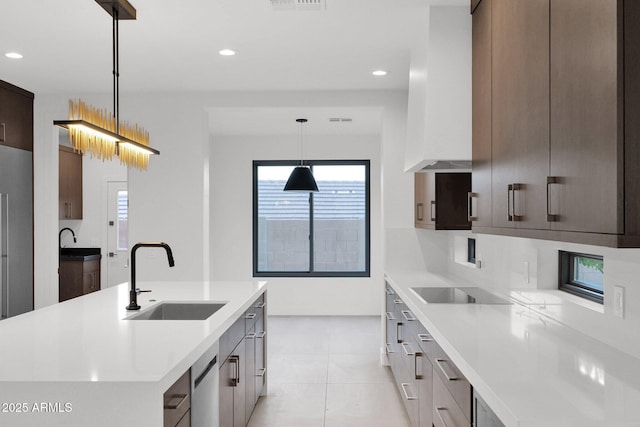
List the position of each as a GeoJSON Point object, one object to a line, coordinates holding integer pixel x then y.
{"type": "Point", "coordinates": [529, 367]}
{"type": "Point", "coordinates": [82, 362]}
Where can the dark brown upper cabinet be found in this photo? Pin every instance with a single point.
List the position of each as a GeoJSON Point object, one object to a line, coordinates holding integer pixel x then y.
{"type": "Point", "coordinates": [69, 184]}
{"type": "Point", "coordinates": [16, 117]}
{"type": "Point", "coordinates": [441, 200]}
{"type": "Point", "coordinates": [560, 147]}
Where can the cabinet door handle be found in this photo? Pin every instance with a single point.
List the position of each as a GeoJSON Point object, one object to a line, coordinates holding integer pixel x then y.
{"type": "Point", "coordinates": [399, 332]}
{"type": "Point", "coordinates": [261, 334]}
{"type": "Point", "coordinates": [250, 335]}
{"type": "Point", "coordinates": [3, 134]}
{"type": "Point", "coordinates": [433, 216]}
{"type": "Point", "coordinates": [250, 316]}
{"type": "Point", "coordinates": [407, 349]}
{"type": "Point", "coordinates": [389, 291]}
{"type": "Point", "coordinates": [470, 196]}
{"type": "Point", "coordinates": [551, 180]}
{"type": "Point", "coordinates": [404, 390]}
{"type": "Point", "coordinates": [440, 363]}
{"type": "Point", "coordinates": [408, 315]}
{"type": "Point", "coordinates": [509, 216]}
{"type": "Point", "coordinates": [440, 416]}
{"type": "Point", "coordinates": [388, 348]}
{"type": "Point", "coordinates": [169, 405]}
{"type": "Point", "coordinates": [261, 372]}
{"type": "Point", "coordinates": [261, 304]}
{"type": "Point", "coordinates": [425, 337]}
{"type": "Point", "coordinates": [515, 187]}
{"type": "Point", "coordinates": [397, 301]}
{"type": "Point", "coordinates": [389, 316]}
{"type": "Point", "coordinates": [420, 212]}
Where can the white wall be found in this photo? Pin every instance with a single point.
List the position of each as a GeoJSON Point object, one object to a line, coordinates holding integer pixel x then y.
{"type": "Point", "coordinates": [503, 261]}
{"type": "Point", "coordinates": [170, 201]}
{"type": "Point", "coordinates": [232, 218]}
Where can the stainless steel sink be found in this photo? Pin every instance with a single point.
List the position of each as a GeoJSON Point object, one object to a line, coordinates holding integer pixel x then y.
{"type": "Point", "coordinates": [456, 295]}
{"type": "Point", "coordinates": [179, 311]}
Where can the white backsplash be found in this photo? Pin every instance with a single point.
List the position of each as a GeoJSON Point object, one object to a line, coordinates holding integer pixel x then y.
{"type": "Point", "coordinates": [503, 267]}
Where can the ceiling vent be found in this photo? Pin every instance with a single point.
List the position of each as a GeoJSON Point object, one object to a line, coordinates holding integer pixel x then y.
{"type": "Point", "coordinates": [298, 4]}
{"type": "Point", "coordinates": [340, 119]}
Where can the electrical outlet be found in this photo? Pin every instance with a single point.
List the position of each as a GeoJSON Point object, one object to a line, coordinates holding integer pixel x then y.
{"type": "Point", "coordinates": [618, 301]}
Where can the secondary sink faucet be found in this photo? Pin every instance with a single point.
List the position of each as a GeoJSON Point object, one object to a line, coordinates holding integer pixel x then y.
{"type": "Point", "coordinates": [60, 237]}
{"type": "Point", "coordinates": [133, 293]}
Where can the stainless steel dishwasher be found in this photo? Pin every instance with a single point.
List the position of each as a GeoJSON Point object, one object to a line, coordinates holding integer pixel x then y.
{"type": "Point", "coordinates": [204, 389]}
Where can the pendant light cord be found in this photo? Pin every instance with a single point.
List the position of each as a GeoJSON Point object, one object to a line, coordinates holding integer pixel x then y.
{"type": "Point", "coordinates": [301, 145]}
{"type": "Point", "coordinates": [116, 69]}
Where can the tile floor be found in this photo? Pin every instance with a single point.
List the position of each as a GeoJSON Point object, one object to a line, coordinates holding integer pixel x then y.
{"type": "Point", "coordinates": [326, 372]}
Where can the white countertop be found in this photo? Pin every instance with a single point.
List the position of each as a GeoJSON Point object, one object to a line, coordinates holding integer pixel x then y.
{"type": "Point", "coordinates": [86, 343]}
{"type": "Point", "coordinates": [530, 369]}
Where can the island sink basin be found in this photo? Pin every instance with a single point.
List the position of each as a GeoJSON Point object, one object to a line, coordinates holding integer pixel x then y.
{"type": "Point", "coordinates": [458, 295]}
{"type": "Point", "coordinates": [179, 311]}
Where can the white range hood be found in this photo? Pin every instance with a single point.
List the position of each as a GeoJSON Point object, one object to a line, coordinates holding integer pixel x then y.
{"type": "Point", "coordinates": [439, 108]}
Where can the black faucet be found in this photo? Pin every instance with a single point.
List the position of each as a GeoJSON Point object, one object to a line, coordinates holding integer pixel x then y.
{"type": "Point", "coordinates": [133, 293]}
{"type": "Point", "coordinates": [60, 237]}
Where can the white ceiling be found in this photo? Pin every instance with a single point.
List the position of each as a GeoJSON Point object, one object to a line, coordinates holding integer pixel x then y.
{"type": "Point", "coordinates": [173, 46]}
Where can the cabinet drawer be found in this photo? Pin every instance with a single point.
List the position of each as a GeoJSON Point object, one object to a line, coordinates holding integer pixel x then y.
{"type": "Point", "coordinates": [254, 312]}
{"type": "Point", "coordinates": [453, 380]}
{"type": "Point", "coordinates": [177, 400]}
{"type": "Point", "coordinates": [446, 412]}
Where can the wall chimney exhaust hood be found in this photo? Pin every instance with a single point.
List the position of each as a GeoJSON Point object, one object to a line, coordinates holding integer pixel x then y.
{"type": "Point", "coordinates": [439, 107]}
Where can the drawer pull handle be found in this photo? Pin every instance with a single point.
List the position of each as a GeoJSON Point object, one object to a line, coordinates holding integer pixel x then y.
{"type": "Point", "coordinates": [260, 305]}
{"type": "Point", "coordinates": [397, 301]}
{"type": "Point", "coordinates": [425, 338]}
{"type": "Point", "coordinates": [389, 316]}
{"type": "Point", "coordinates": [181, 399]}
{"type": "Point", "coordinates": [389, 291]}
{"type": "Point", "coordinates": [420, 212]}
{"type": "Point", "coordinates": [389, 349]}
{"type": "Point", "coordinates": [470, 217]}
{"type": "Point", "coordinates": [407, 349]}
{"type": "Point", "coordinates": [261, 372]}
{"type": "Point", "coordinates": [250, 335]}
{"type": "Point", "coordinates": [404, 391]}
{"type": "Point", "coordinates": [261, 334]}
{"type": "Point", "coordinates": [440, 363]}
{"type": "Point", "coordinates": [4, 132]}
{"type": "Point", "coordinates": [250, 316]}
{"type": "Point", "coordinates": [440, 416]}
{"type": "Point", "coordinates": [408, 315]}
{"type": "Point", "coordinates": [433, 217]}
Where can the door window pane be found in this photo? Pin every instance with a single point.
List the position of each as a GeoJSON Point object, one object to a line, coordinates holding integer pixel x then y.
{"type": "Point", "coordinates": [123, 220]}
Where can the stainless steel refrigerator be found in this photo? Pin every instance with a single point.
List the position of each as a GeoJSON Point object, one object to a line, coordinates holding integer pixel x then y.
{"type": "Point", "coordinates": [16, 231]}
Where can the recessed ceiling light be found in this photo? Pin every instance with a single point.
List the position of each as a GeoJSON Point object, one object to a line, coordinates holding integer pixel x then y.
{"type": "Point", "coordinates": [227, 52]}
{"type": "Point", "coordinates": [13, 55]}
{"type": "Point", "coordinates": [379, 73]}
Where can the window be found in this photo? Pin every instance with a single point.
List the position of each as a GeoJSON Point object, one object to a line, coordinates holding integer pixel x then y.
{"type": "Point", "coordinates": [122, 225]}
{"type": "Point", "coordinates": [582, 275]}
{"type": "Point", "coordinates": [323, 234]}
{"type": "Point", "coordinates": [471, 250]}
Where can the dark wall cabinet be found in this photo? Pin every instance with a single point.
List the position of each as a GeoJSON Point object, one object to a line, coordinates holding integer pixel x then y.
{"type": "Point", "coordinates": [16, 117]}
{"type": "Point", "coordinates": [70, 184]}
{"type": "Point", "coordinates": [441, 200]}
{"type": "Point", "coordinates": [78, 276]}
{"type": "Point", "coordinates": [556, 140]}
{"type": "Point", "coordinates": [243, 371]}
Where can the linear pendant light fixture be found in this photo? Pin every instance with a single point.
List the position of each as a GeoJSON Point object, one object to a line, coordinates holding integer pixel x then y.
{"type": "Point", "coordinates": [97, 131]}
{"type": "Point", "coordinates": [301, 178]}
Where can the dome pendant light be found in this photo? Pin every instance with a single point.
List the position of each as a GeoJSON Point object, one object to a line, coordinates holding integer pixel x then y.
{"type": "Point", "coordinates": [301, 178]}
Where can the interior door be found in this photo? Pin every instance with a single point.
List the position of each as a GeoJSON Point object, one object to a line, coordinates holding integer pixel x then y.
{"type": "Point", "coordinates": [117, 233]}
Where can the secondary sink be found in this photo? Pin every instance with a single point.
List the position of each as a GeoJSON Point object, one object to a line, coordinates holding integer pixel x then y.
{"type": "Point", "coordinates": [179, 311]}
{"type": "Point", "coordinates": [464, 295]}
